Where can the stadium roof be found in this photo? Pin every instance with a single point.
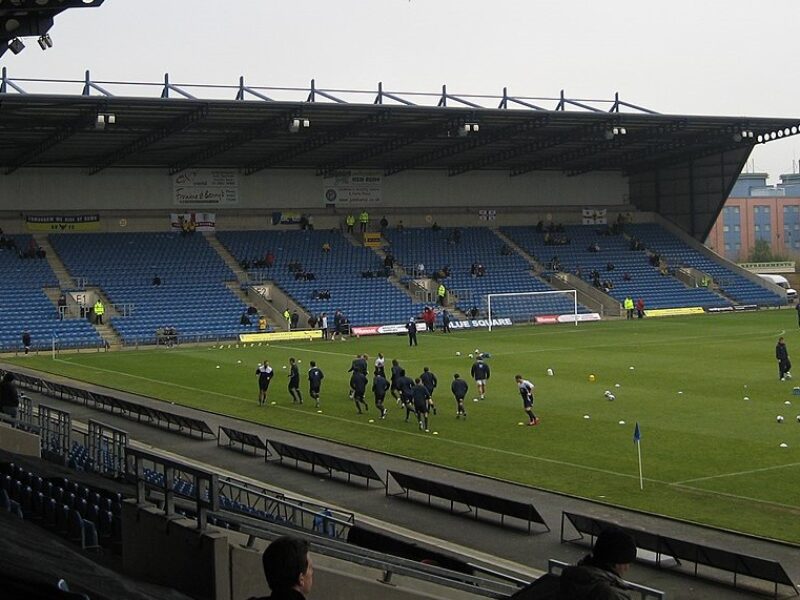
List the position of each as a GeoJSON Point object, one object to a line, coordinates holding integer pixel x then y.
{"type": "Point", "coordinates": [257, 128]}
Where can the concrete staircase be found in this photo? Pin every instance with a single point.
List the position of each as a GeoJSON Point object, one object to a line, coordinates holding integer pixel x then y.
{"type": "Point", "coordinates": [65, 280]}
{"type": "Point", "coordinates": [110, 337]}
{"type": "Point", "coordinates": [226, 256]}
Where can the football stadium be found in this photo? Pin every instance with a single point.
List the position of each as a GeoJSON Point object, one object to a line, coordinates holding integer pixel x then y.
{"type": "Point", "coordinates": [233, 313]}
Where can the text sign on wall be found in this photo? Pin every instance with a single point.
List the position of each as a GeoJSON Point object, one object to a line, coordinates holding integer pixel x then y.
{"type": "Point", "coordinates": [354, 188]}
{"type": "Point", "coordinates": [206, 187]}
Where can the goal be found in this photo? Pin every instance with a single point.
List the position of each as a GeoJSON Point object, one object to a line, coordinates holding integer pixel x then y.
{"type": "Point", "coordinates": [524, 306]}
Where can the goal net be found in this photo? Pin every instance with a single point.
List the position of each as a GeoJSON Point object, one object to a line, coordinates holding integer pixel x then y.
{"type": "Point", "coordinates": [524, 307]}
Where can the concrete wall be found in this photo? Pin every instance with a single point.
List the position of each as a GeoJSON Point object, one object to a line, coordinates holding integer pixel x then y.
{"type": "Point", "coordinates": [171, 552]}
{"type": "Point", "coordinates": [217, 565]}
{"type": "Point", "coordinates": [63, 190]}
{"type": "Point", "coordinates": [19, 442]}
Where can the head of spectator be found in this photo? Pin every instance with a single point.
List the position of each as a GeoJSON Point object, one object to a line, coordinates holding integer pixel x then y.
{"type": "Point", "coordinates": [614, 550]}
{"type": "Point", "coordinates": [288, 567]}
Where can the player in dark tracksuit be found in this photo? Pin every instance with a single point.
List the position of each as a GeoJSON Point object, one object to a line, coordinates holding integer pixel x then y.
{"type": "Point", "coordinates": [411, 327]}
{"type": "Point", "coordinates": [784, 364]}
{"type": "Point", "coordinates": [359, 364]}
{"type": "Point", "coordinates": [294, 382]}
{"type": "Point", "coordinates": [265, 374]}
{"type": "Point", "coordinates": [315, 377]}
{"type": "Point", "coordinates": [395, 375]}
{"type": "Point", "coordinates": [379, 387]}
{"type": "Point", "coordinates": [429, 381]}
{"type": "Point", "coordinates": [421, 399]}
{"type": "Point", "coordinates": [480, 373]}
{"type": "Point", "coordinates": [405, 386]}
{"type": "Point", "coordinates": [459, 388]}
{"type": "Point", "coordinates": [358, 385]}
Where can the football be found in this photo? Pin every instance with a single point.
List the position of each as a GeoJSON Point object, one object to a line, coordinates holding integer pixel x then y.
{"type": "Point", "coordinates": [779, 418]}
{"type": "Point", "coordinates": [592, 377]}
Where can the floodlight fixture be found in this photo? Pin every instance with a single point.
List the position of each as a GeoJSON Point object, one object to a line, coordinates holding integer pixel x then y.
{"type": "Point", "coordinates": [104, 119]}
{"type": "Point", "coordinates": [45, 41]}
{"type": "Point", "coordinates": [16, 45]}
{"type": "Point", "coordinates": [467, 128]}
{"type": "Point", "coordinates": [297, 123]}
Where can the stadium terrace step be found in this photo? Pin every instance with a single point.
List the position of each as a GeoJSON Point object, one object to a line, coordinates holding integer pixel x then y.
{"type": "Point", "coordinates": [65, 281]}
{"type": "Point", "coordinates": [225, 255]}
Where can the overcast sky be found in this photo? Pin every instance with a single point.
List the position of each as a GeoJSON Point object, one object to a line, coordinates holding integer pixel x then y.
{"type": "Point", "coordinates": [726, 57]}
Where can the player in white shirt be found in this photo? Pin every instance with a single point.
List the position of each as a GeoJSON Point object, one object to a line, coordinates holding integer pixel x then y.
{"type": "Point", "coordinates": [526, 391]}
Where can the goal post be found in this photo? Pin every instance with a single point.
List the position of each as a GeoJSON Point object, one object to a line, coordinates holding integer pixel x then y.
{"type": "Point", "coordinates": [527, 304]}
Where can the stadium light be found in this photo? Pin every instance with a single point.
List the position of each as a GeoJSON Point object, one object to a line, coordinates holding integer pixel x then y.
{"type": "Point", "coordinates": [104, 119]}
{"type": "Point", "coordinates": [45, 41]}
{"type": "Point", "coordinates": [296, 124]}
{"type": "Point", "coordinates": [468, 128]}
{"type": "Point", "coordinates": [16, 45]}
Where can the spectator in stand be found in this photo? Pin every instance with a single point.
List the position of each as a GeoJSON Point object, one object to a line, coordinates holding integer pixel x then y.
{"type": "Point", "coordinates": [626, 277]}
{"type": "Point", "coordinates": [505, 250]}
{"type": "Point", "coordinates": [252, 310]}
{"type": "Point", "coordinates": [435, 226]}
{"type": "Point", "coordinates": [594, 247]}
{"type": "Point", "coordinates": [326, 248]}
{"type": "Point", "coordinates": [294, 319]}
{"type": "Point", "coordinates": [288, 316]}
{"type": "Point", "coordinates": [441, 294]}
{"type": "Point", "coordinates": [62, 306]}
{"type": "Point", "coordinates": [421, 269]}
{"type": "Point", "coordinates": [269, 259]}
{"type": "Point", "coordinates": [288, 569]}
{"type": "Point", "coordinates": [9, 396]}
{"type": "Point", "coordinates": [599, 574]}
{"type": "Point", "coordinates": [384, 224]}
{"type": "Point", "coordinates": [245, 319]}
{"type": "Point", "coordinates": [388, 260]}
{"type": "Point", "coordinates": [474, 312]}
{"type": "Point", "coordinates": [312, 321]}
{"type": "Point", "coordinates": [639, 308]}
{"type": "Point", "coordinates": [26, 341]}
{"type": "Point", "coordinates": [262, 323]}
{"type": "Point", "coordinates": [156, 280]}
{"type": "Point", "coordinates": [610, 266]}
{"type": "Point", "coordinates": [303, 221]}
{"type": "Point", "coordinates": [400, 226]}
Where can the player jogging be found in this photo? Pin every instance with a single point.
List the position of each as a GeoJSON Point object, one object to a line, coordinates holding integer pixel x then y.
{"type": "Point", "coordinates": [265, 374]}
{"type": "Point", "coordinates": [459, 388]}
{"type": "Point", "coordinates": [526, 391]}
{"type": "Point", "coordinates": [379, 387]}
{"type": "Point", "coordinates": [380, 365]}
{"type": "Point", "coordinates": [315, 377]}
{"type": "Point", "coordinates": [480, 373]}
{"type": "Point", "coordinates": [422, 400]}
{"type": "Point", "coordinates": [429, 381]}
{"type": "Point", "coordinates": [294, 382]}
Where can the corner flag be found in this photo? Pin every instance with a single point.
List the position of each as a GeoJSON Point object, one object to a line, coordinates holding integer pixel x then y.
{"type": "Point", "coordinates": [637, 439]}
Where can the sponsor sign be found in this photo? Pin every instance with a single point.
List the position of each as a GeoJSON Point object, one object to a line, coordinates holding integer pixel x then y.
{"type": "Point", "coordinates": [286, 218]}
{"type": "Point", "coordinates": [356, 188]}
{"type": "Point", "coordinates": [746, 307]}
{"type": "Point", "coordinates": [580, 317]}
{"type": "Point", "coordinates": [719, 309]}
{"type": "Point", "coordinates": [672, 312]}
{"type": "Point", "coordinates": [202, 221]}
{"type": "Point", "coordinates": [545, 319]}
{"type": "Point", "coordinates": [383, 329]}
{"type": "Point", "coordinates": [261, 290]}
{"type": "Point", "coordinates": [278, 336]}
{"type": "Point", "coordinates": [478, 323]}
{"type": "Point", "coordinates": [738, 308]}
{"type": "Point", "coordinates": [206, 187]}
{"type": "Point", "coordinates": [372, 239]}
{"type": "Point", "coordinates": [62, 222]}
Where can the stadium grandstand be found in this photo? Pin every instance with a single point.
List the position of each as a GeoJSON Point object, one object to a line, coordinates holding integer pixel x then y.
{"type": "Point", "coordinates": [199, 214]}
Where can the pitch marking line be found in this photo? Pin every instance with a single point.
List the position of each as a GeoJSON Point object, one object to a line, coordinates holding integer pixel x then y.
{"type": "Point", "coordinates": [466, 444]}
{"type": "Point", "coordinates": [736, 474]}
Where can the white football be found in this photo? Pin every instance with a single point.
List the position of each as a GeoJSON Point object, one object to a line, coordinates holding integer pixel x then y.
{"type": "Point", "coordinates": [470, 355]}
{"type": "Point", "coordinates": [611, 397]}
{"type": "Point", "coordinates": [779, 418]}
{"type": "Point", "coordinates": [458, 353]}
{"type": "Point", "coordinates": [798, 418]}
{"type": "Point", "coordinates": [550, 372]}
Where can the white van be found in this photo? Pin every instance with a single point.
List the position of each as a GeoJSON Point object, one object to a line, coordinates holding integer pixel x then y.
{"type": "Point", "coordinates": [781, 281]}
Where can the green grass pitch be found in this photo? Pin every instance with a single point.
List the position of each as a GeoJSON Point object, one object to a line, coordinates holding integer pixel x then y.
{"type": "Point", "coordinates": [704, 389]}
